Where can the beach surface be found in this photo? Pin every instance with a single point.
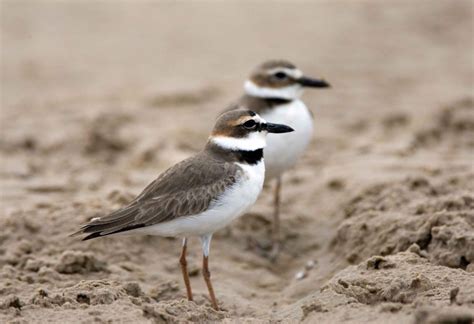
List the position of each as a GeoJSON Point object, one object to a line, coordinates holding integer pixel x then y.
{"type": "Point", "coordinates": [99, 98]}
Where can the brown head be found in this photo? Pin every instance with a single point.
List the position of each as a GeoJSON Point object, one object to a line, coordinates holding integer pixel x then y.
{"type": "Point", "coordinates": [242, 129]}
{"type": "Point", "coordinates": [280, 79]}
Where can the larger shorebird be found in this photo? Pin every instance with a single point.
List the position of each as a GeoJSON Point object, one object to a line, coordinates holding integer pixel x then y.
{"type": "Point", "coordinates": [201, 194]}
{"type": "Point", "coordinates": [273, 91]}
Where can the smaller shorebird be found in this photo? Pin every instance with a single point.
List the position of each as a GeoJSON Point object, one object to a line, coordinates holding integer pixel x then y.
{"type": "Point", "coordinates": [273, 91]}
{"type": "Point", "coordinates": [201, 194]}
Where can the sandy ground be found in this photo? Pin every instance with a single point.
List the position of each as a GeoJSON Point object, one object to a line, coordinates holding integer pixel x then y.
{"type": "Point", "coordinates": [378, 218]}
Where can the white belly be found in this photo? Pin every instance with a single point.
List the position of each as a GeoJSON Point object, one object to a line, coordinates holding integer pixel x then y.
{"type": "Point", "coordinates": [283, 150]}
{"type": "Point", "coordinates": [228, 207]}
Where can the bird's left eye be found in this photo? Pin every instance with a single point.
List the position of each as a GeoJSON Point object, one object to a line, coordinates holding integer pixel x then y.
{"type": "Point", "coordinates": [249, 124]}
{"type": "Point", "coordinates": [280, 75]}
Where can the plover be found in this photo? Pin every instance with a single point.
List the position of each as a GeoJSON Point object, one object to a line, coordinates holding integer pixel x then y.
{"type": "Point", "coordinates": [201, 194]}
{"type": "Point", "coordinates": [273, 91]}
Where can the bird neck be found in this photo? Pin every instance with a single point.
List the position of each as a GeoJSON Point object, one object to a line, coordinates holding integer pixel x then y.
{"type": "Point", "coordinates": [290, 92]}
{"type": "Point", "coordinates": [251, 157]}
{"type": "Point", "coordinates": [253, 141]}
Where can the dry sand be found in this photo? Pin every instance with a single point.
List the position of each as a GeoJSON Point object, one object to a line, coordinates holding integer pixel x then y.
{"type": "Point", "coordinates": [378, 218]}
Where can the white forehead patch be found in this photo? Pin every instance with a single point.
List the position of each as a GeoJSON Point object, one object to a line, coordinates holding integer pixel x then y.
{"type": "Point", "coordinates": [290, 92]}
{"type": "Point", "coordinates": [259, 119]}
{"type": "Point", "coordinates": [294, 73]}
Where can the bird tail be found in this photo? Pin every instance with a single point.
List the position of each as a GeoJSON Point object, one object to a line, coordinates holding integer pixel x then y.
{"type": "Point", "coordinates": [119, 221]}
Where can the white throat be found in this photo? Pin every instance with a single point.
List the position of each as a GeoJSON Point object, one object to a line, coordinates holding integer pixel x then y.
{"type": "Point", "coordinates": [254, 141]}
{"type": "Point", "coordinates": [291, 92]}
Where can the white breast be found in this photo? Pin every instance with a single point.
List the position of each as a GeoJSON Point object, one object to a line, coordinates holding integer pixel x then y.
{"type": "Point", "coordinates": [283, 150]}
{"type": "Point", "coordinates": [233, 203]}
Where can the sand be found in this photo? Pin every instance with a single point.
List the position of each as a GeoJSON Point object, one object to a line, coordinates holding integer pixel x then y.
{"type": "Point", "coordinates": [378, 218]}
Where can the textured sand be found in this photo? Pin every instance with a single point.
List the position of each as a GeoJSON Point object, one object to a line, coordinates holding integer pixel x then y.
{"type": "Point", "coordinates": [378, 218]}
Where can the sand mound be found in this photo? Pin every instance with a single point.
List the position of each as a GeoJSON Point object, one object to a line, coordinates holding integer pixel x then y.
{"type": "Point", "coordinates": [402, 287]}
{"type": "Point", "coordinates": [79, 262]}
{"type": "Point", "coordinates": [181, 311]}
{"type": "Point", "coordinates": [91, 300]}
{"type": "Point", "coordinates": [436, 216]}
{"type": "Point", "coordinates": [403, 278]}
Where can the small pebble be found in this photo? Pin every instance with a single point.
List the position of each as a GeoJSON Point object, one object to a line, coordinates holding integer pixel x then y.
{"type": "Point", "coordinates": [300, 275]}
{"type": "Point", "coordinates": [310, 264]}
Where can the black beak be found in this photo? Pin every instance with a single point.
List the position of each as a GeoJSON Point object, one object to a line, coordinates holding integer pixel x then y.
{"type": "Point", "coordinates": [278, 128]}
{"type": "Point", "coordinates": [313, 83]}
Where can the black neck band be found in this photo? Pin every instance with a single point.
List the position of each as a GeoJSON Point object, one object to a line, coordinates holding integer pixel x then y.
{"type": "Point", "coordinates": [249, 157]}
{"type": "Point", "coordinates": [277, 101]}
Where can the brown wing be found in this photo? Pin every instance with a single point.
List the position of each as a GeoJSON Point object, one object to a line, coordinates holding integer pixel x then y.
{"type": "Point", "coordinates": [186, 189]}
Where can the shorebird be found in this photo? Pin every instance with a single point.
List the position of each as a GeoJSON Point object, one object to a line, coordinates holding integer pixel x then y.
{"type": "Point", "coordinates": [273, 91]}
{"type": "Point", "coordinates": [201, 194]}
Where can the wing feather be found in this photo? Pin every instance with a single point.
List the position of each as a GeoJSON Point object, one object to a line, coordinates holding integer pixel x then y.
{"type": "Point", "coordinates": [186, 189]}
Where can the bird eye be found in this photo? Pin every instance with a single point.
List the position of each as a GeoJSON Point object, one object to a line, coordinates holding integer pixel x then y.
{"type": "Point", "coordinates": [249, 124]}
{"type": "Point", "coordinates": [280, 75]}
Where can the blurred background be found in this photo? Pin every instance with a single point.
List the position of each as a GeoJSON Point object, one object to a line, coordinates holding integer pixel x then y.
{"type": "Point", "coordinates": [98, 97]}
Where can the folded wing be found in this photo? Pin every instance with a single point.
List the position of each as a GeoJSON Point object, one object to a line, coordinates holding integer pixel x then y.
{"type": "Point", "coordinates": [186, 189]}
